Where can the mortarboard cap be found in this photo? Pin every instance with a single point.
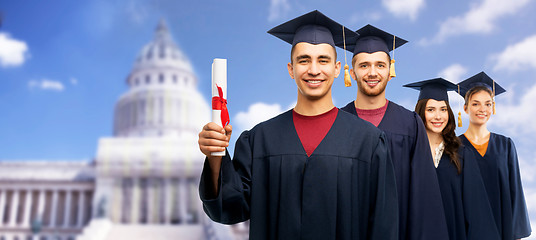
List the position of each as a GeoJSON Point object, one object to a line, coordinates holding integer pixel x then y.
{"type": "Point", "coordinates": [372, 39]}
{"type": "Point", "coordinates": [433, 89]}
{"type": "Point", "coordinates": [480, 79]}
{"type": "Point", "coordinates": [315, 28]}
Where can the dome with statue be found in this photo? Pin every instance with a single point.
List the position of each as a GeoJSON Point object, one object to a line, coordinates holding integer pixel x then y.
{"type": "Point", "coordinates": [163, 99]}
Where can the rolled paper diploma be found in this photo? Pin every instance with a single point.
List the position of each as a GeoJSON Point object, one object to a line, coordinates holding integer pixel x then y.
{"type": "Point", "coordinates": [220, 114]}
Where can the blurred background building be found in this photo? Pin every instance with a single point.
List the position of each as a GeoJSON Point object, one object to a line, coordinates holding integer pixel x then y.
{"type": "Point", "coordinates": [142, 183]}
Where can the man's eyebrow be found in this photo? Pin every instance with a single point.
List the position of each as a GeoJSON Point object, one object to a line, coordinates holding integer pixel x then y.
{"type": "Point", "coordinates": [302, 56]}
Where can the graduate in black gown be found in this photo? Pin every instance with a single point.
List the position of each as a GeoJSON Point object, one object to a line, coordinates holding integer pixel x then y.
{"type": "Point", "coordinates": [467, 210]}
{"type": "Point", "coordinates": [496, 157]}
{"type": "Point", "coordinates": [421, 209]}
{"type": "Point", "coordinates": [313, 172]}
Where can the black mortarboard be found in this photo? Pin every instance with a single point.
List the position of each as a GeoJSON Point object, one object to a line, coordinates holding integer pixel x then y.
{"type": "Point", "coordinates": [315, 28]}
{"type": "Point", "coordinates": [372, 39]}
{"type": "Point", "coordinates": [480, 79]}
{"type": "Point", "coordinates": [433, 89]}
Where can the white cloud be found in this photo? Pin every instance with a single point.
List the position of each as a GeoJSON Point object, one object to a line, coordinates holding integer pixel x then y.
{"type": "Point", "coordinates": [480, 19]}
{"type": "Point", "coordinates": [73, 81]}
{"type": "Point", "coordinates": [13, 52]}
{"type": "Point", "coordinates": [257, 112]}
{"type": "Point", "coordinates": [453, 72]}
{"type": "Point", "coordinates": [518, 56]}
{"type": "Point", "coordinates": [278, 9]}
{"type": "Point", "coordinates": [46, 84]}
{"type": "Point", "coordinates": [404, 8]}
{"type": "Point", "coordinates": [517, 118]}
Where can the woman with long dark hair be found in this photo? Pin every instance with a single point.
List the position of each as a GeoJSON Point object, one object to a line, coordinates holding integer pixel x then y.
{"type": "Point", "coordinates": [496, 157]}
{"type": "Point", "coordinates": [463, 193]}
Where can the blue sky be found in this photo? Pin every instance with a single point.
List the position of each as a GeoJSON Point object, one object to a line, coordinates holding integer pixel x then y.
{"type": "Point", "coordinates": [63, 64]}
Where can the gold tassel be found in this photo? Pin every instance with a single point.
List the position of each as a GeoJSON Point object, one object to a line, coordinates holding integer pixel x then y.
{"type": "Point", "coordinates": [347, 79]}
{"type": "Point", "coordinates": [459, 119]}
{"type": "Point", "coordinates": [459, 107]}
{"type": "Point", "coordinates": [493, 97]}
{"type": "Point", "coordinates": [392, 69]}
{"type": "Point", "coordinates": [392, 73]}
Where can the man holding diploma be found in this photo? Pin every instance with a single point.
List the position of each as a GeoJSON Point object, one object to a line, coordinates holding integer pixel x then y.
{"type": "Point", "coordinates": [313, 172]}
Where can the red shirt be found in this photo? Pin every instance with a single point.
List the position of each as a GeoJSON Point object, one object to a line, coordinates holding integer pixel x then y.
{"type": "Point", "coordinates": [373, 116]}
{"type": "Point", "coordinates": [312, 129]}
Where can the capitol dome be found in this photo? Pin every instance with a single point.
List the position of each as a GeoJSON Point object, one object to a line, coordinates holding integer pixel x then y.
{"type": "Point", "coordinates": [162, 99]}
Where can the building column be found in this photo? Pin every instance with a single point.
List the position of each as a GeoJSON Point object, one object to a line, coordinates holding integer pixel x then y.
{"type": "Point", "coordinates": [41, 206]}
{"type": "Point", "coordinates": [183, 200]}
{"type": "Point", "coordinates": [27, 208]}
{"type": "Point", "coordinates": [135, 202]}
{"type": "Point", "coordinates": [67, 211]}
{"type": "Point", "coordinates": [81, 208]}
{"type": "Point", "coordinates": [2, 205]}
{"type": "Point", "coordinates": [14, 208]}
{"type": "Point", "coordinates": [150, 200]}
{"type": "Point", "coordinates": [54, 209]}
{"type": "Point", "coordinates": [198, 205]}
{"type": "Point", "coordinates": [117, 200]}
{"type": "Point", "coordinates": [168, 201]}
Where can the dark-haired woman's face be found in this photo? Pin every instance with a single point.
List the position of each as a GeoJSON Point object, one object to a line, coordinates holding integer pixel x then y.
{"type": "Point", "coordinates": [437, 115]}
{"type": "Point", "coordinates": [479, 108]}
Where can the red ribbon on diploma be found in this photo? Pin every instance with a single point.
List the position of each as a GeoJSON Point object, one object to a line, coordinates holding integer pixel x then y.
{"type": "Point", "coordinates": [220, 103]}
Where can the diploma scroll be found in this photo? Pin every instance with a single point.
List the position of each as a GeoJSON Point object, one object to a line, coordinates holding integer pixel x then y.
{"type": "Point", "coordinates": [220, 114]}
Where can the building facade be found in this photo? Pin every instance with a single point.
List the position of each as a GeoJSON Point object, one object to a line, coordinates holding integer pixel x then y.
{"type": "Point", "coordinates": [142, 183]}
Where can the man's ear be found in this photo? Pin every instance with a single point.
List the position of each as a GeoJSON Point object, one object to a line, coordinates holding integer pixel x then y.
{"type": "Point", "coordinates": [337, 69]}
{"type": "Point", "coordinates": [352, 73]}
{"type": "Point", "coordinates": [290, 70]}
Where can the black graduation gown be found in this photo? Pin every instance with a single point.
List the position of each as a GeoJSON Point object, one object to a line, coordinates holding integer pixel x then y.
{"type": "Point", "coordinates": [499, 168]}
{"type": "Point", "coordinates": [344, 190]}
{"type": "Point", "coordinates": [469, 215]}
{"type": "Point", "coordinates": [419, 198]}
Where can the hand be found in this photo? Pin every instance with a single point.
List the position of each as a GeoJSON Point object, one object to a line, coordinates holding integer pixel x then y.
{"type": "Point", "coordinates": [214, 138]}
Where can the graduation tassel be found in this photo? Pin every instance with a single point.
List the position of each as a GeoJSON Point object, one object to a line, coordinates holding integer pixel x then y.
{"type": "Point", "coordinates": [392, 69]}
{"type": "Point", "coordinates": [459, 119]}
{"type": "Point", "coordinates": [493, 97]}
{"type": "Point", "coordinates": [459, 110]}
{"type": "Point", "coordinates": [392, 65]}
{"type": "Point", "coordinates": [347, 79]}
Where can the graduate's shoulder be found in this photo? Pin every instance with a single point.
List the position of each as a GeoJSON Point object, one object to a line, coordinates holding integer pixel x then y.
{"type": "Point", "coordinates": [499, 137]}
{"type": "Point", "coordinates": [403, 113]}
{"type": "Point", "coordinates": [356, 124]}
{"type": "Point", "coordinates": [274, 122]}
{"type": "Point", "coordinates": [350, 108]}
{"type": "Point", "coordinates": [357, 138]}
{"type": "Point", "coordinates": [399, 120]}
{"type": "Point", "coordinates": [501, 140]}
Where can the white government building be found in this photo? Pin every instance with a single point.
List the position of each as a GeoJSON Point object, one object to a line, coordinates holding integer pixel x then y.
{"type": "Point", "coordinates": [143, 181]}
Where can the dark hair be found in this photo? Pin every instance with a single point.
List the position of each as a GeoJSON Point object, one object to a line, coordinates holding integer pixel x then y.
{"type": "Point", "coordinates": [452, 143]}
{"type": "Point", "coordinates": [476, 89]}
